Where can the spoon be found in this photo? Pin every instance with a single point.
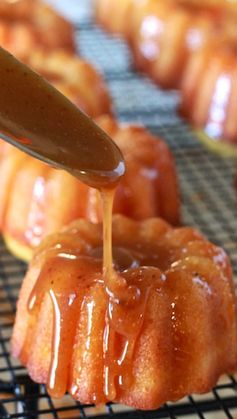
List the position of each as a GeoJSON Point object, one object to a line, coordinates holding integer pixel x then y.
{"type": "Point", "coordinates": [39, 120]}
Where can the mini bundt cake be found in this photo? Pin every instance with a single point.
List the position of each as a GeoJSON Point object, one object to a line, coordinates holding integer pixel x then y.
{"type": "Point", "coordinates": [28, 24]}
{"type": "Point", "coordinates": [209, 91]}
{"type": "Point", "coordinates": [114, 15]}
{"type": "Point", "coordinates": [158, 40]}
{"type": "Point", "coordinates": [53, 198]}
{"type": "Point", "coordinates": [16, 10]}
{"type": "Point", "coordinates": [75, 334]}
{"type": "Point", "coordinates": [161, 33]}
{"type": "Point", "coordinates": [213, 4]}
{"type": "Point", "coordinates": [189, 45]}
{"type": "Point", "coordinates": [164, 35]}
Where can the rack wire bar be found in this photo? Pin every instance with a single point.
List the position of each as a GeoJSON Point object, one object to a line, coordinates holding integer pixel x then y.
{"type": "Point", "coordinates": [209, 202]}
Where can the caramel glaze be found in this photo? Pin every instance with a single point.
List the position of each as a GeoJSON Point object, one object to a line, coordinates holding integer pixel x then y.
{"type": "Point", "coordinates": [152, 260]}
{"type": "Point", "coordinates": [37, 118]}
{"type": "Point", "coordinates": [126, 285]}
{"type": "Point", "coordinates": [42, 122]}
{"type": "Point", "coordinates": [127, 290]}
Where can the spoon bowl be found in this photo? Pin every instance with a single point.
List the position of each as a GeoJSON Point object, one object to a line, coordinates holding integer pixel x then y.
{"type": "Point", "coordinates": [39, 120]}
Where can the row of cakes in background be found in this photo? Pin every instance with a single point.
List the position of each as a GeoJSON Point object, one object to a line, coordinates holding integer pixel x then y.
{"type": "Point", "coordinates": [53, 198]}
{"type": "Point", "coordinates": [149, 161]}
{"type": "Point", "coordinates": [185, 45]}
{"type": "Point", "coordinates": [143, 365]}
{"type": "Point", "coordinates": [29, 24]}
{"type": "Point", "coordinates": [44, 40]}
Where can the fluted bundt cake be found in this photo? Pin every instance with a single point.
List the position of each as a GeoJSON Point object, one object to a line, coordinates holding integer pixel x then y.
{"type": "Point", "coordinates": [162, 34]}
{"type": "Point", "coordinates": [190, 45]}
{"type": "Point", "coordinates": [169, 339]}
{"type": "Point", "coordinates": [19, 9]}
{"type": "Point", "coordinates": [28, 24]}
{"type": "Point", "coordinates": [114, 15]}
{"type": "Point", "coordinates": [158, 40]}
{"type": "Point", "coordinates": [220, 4]}
{"type": "Point", "coordinates": [165, 33]}
{"type": "Point", "coordinates": [53, 198]}
{"type": "Point", "coordinates": [209, 91]}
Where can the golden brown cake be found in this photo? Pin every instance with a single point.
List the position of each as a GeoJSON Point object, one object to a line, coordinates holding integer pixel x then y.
{"type": "Point", "coordinates": [115, 16]}
{"type": "Point", "coordinates": [53, 198]}
{"type": "Point", "coordinates": [161, 33]}
{"type": "Point", "coordinates": [190, 45]}
{"type": "Point", "coordinates": [209, 91]}
{"type": "Point", "coordinates": [18, 9]}
{"type": "Point", "coordinates": [171, 340]}
{"type": "Point", "coordinates": [29, 24]}
{"type": "Point", "coordinates": [214, 4]}
{"type": "Point", "coordinates": [164, 35]}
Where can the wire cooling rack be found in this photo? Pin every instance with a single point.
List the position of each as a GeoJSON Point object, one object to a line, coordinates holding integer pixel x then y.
{"type": "Point", "coordinates": [209, 202]}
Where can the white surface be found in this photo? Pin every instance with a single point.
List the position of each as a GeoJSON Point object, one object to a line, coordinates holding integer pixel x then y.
{"type": "Point", "coordinates": [74, 10]}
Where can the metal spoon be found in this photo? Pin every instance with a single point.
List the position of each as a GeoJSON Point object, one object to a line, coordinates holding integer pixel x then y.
{"type": "Point", "coordinates": [39, 120]}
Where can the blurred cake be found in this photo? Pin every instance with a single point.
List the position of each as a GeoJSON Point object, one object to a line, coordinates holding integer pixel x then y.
{"type": "Point", "coordinates": [209, 92]}
{"type": "Point", "coordinates": [115, 16]}
{"type": "Point", "coordinates": [53, 198]}
{"type": "Point", "coordinates": [166, 33]}
{"type": "Point", "coordinates": [29, 24]}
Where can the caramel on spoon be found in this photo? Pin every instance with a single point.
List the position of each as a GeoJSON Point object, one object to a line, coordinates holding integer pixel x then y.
{"type": "Point", "coordinates": [39, 120]}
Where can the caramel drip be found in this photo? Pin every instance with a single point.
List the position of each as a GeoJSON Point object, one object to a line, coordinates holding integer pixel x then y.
{"type": "Point", "coordinates": [123, 324]}
{"type": "Point", "coordinates": [108, 272]}
{"type": "Point", "coordinates": [55, 131]}
{"type": "Point", "coordinates": [115, 284]}
{"type": "Point", "coordinates": [122, 299]}
{"type": "Point", "coordinates": [66, 293]}
{"type": "Point", "coordinates": [87, 152]}
{"type": "Point", "coordinates": [127, 294]}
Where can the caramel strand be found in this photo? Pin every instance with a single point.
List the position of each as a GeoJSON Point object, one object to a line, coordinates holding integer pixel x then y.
{"type": "Point", "coordinates": [121, 298]}
{"type": "Point", "coordinates": [66, 296]}
{"type": "Point", "coordinates": [127, 294]}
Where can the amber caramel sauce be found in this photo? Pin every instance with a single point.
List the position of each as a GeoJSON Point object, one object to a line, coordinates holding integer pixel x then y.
{"type": "Point", "coordinates": [38, 119]}
{"type": "Point", "coordinates": [66, 296]}
{"type": "Point", "coordinates": [126, 301]}
{"type": "Point", "coordinates": [42, 122]}
{"type": "Point", "coordinates": [126, 291]}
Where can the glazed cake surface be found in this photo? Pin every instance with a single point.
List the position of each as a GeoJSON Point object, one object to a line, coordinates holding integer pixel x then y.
{"type": "Point", "coordinates": [163, 336]}
{"type": "Point", "coordinates": [209, 91]}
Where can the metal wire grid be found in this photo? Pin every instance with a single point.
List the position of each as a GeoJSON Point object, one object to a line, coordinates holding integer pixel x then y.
{"type": "Point", "coordinates": [209, 202]}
